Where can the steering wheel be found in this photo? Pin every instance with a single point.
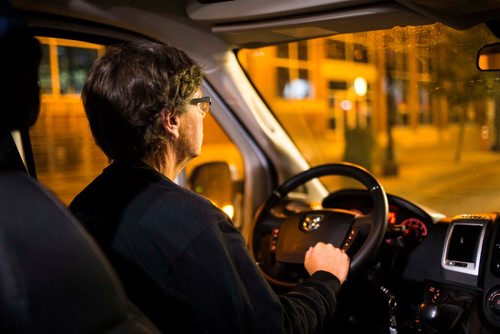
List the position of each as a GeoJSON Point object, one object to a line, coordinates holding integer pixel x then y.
{"type": "Point", "coordinates": [280, 239]}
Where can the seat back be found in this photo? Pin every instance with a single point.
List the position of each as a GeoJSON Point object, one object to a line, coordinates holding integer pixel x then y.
{"type": "Point", "coordinates": [53, 278]}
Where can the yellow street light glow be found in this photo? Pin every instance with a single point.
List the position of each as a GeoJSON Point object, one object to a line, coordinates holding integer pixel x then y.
{"type": "Point", "coordinates": [229, 210]}
{"type": "Point", "coordinates": [346, 105]}
{"type": "Point", "coordinates": [360, 86]}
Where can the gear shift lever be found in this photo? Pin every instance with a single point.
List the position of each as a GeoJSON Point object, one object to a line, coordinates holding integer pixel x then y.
{"type": "Point", "coordinates": [428, 315]}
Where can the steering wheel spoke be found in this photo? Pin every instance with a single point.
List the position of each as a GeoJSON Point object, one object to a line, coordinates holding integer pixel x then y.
{"type": "Point", "coordinates": [363, 223]}
{"type": "Point", "coordinates": [271, 223]}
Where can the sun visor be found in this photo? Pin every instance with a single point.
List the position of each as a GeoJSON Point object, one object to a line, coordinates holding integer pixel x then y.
{"type": "Point", "coordinates": [256, 33]}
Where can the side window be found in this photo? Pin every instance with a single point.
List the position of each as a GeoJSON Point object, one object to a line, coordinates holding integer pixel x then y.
{"type": "Point", "coordinates": [66, 156]}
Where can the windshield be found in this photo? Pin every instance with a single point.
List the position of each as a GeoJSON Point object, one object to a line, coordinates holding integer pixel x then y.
{"type": "Point", "coordinates": [408, 104]}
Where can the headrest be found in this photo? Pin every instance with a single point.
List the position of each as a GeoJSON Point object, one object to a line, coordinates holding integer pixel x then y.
{"type": "Point", "coordinates": [20, 56]}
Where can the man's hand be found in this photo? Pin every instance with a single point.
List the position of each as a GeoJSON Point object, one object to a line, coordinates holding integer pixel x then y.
{"type": "Point", "coordinates": [328, 258]}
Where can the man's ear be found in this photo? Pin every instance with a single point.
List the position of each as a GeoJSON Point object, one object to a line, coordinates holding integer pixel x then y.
{"type": "Point", "coordinates": [171, 122]}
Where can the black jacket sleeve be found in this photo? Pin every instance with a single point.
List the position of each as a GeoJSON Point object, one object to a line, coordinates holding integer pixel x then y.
{"type": "Point", "coordinates": [312, 303]}
{"type": "Point", "coordinates": [220, 276]}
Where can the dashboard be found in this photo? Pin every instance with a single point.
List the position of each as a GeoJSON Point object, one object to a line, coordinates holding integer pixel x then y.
{"type": "Point", "coordinates": [443, 271]}
{"type": "Point", "coordinates": [451, 265]}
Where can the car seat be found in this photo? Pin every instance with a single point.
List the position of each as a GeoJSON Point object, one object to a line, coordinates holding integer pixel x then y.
{"type": "Point", "coordinates": [53, 278]}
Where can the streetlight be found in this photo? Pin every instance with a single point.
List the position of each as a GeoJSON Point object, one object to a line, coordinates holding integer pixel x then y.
{"type": "Point", "coordinates": [359, 141]}
{"type": "Point", "coordinates": [360, 86]}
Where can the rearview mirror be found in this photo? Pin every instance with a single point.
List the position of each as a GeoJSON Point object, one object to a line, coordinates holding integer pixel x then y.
{"type": "Point", "coordinates": [488, 57]}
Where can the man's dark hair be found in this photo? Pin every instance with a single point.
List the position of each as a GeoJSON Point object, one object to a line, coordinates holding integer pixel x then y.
{"type": "Point", "coordinates": [127, 90]}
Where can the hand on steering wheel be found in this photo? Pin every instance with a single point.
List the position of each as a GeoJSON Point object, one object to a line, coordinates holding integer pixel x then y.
{"type": "Point", "coordinates": [328, 258]}
{"type": "Point", "coordinates": [279, 244]}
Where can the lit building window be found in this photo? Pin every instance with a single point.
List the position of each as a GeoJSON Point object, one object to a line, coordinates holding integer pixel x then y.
{"type": "Point", "coordinates": [334, 49]}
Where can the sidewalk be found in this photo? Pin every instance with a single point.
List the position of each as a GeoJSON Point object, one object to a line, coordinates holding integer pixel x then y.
{"type": "Point", "coordinates": [430, 174]}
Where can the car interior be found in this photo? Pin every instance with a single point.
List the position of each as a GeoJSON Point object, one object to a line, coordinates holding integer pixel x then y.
{"type": "Point", "coordinates": [373, 125]}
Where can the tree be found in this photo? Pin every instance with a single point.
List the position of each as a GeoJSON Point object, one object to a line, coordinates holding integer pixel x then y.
{"type": "Point", "coordinates": [455, 76]}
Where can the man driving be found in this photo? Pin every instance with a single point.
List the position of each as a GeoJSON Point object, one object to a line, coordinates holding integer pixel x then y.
{"type": "Point", "coordinates": [180, 258]}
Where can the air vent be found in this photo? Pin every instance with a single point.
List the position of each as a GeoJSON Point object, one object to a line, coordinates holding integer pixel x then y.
{"type": "Point", "coordinates": [464, 240]}
{"type": "Point", "coordinates": [463, 243]}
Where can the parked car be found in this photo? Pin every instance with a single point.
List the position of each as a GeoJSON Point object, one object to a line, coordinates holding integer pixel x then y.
{"type": "Point", "coordinates": [364, 123]}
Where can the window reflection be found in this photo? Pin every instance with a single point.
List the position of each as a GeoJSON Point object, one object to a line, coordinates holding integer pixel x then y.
{"type": "Point", "coordinates": [74, 63]}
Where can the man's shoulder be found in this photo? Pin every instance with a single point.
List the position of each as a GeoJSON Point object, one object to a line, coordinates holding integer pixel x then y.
{"type": "Point", "coordinates": [116, 183]}
{"type": "Point", "coordinates": [142, 198]}
{"type": "Point", "coordinates": [181, 202]}
{"type": "Point", "coordinates": [95, 192]}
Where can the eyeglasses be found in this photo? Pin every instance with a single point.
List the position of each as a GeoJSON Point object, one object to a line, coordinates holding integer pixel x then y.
{"type": "Point", "coordinates": [203, 104]}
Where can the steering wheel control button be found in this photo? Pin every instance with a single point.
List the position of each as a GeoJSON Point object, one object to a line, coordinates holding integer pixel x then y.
{"type": "Point", "coordinates": [274, 240]}
{"type": "Point", "coordinates": [494, 302]}
{"type": "Point", "coordinates": [350, 239]}
{"type": "Point", "coordinates": [433, 294]}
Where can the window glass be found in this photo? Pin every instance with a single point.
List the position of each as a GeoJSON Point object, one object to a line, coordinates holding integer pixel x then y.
{"type": "Point", "coordinates": [44, 71]}
{"type": "Point", "coordinates": [282, 79]}
{"type": "Point", "coordinates": [407, 103]}
{"type": "Point", "coordinates": [66, 156]}
{"type": "Point", "coordinates": [359, 53]}
{"type": "Point", "coordinates": [74, 64]}
{"type": "Point", "coordinates": [334, 49]}
{"type": "Point", "coordinates": [282, 51]}
{"type": "Point", "coordinates": [302, 50]}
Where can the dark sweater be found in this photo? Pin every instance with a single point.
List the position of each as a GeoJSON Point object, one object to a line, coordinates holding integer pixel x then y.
{"type": "Point", "coordinates": [185, 265]}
